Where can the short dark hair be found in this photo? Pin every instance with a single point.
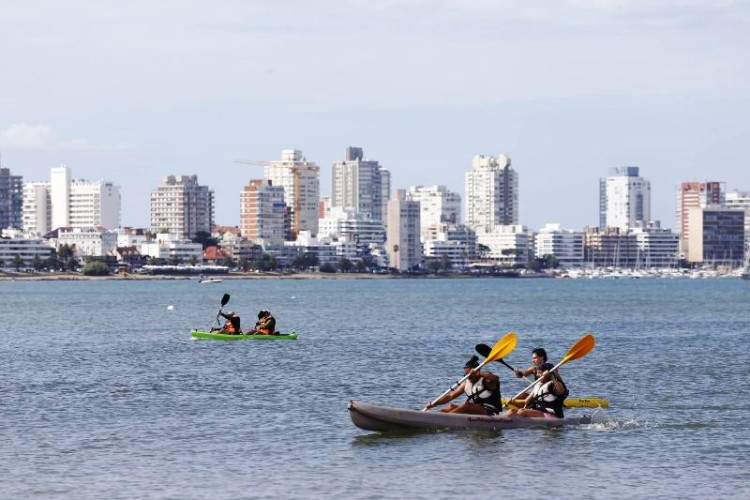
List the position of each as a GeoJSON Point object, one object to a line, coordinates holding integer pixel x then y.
{"type": "Point", "coordinates": [539, 351]}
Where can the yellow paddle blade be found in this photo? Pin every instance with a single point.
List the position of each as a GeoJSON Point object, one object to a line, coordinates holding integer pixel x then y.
{"type": "Point", "coordinates": [580, 348]}
{"type": "Point", "coordinates": [503, 347]}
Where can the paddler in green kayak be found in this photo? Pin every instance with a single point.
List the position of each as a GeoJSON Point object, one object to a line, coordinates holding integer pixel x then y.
{"type": "Point", "coordinates": [266, 324]}
{"type": "Point", "coordinates": [482, 390]}
{"type": "Point", "coordinates": [231, 325]}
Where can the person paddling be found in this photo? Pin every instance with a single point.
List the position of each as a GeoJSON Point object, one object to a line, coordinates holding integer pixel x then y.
{"type": "Point", "coordinates": [231, 325]}
{"type": "Point", "coordinates": [481, 388]}
{"type": "Point", "coordinates": [547, 396]}
{"type": "Point", "coordinates": [538, 357]}
{"type": "Point", "coordinates": [266, 324]}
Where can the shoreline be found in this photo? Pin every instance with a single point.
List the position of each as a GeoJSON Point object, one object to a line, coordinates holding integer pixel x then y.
{"type": "Point", "coordinates": [6, 276]}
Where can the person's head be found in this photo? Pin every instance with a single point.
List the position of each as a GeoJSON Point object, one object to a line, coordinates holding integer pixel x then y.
{"type": "Point", "coordinates": [232, 314]}
{"type": "Point", "coordinates": [263, 314]}
{"type": "Point", "coordinates": [471, 364]}
{"type": "Point", "coordinates": [538, 356]}
{"type": "Point", "coordinates": [544, 367]}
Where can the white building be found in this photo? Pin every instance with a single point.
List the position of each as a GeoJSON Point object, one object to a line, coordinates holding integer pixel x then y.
{"type": "Point", "coordinates": [491, 193]}
{"type": "Point", "coordinates": [566, 245]}
{"type": "Point", "coordinates": [94, 203]}
{"type": "Point", "coordinates": [508, 245]}
{"type": "Point", "coordinates": [89, 242]}
{"type": "Point", "coordinates": [13, 244]}
{"type": "Point", "coordinates": [437, 205]}
{"type": "Point", "coordinates": [455, 242]}
{"type": "Point", "coordinates": [402, 235]}
{"type": "Point", "coordinates": [168, 247]}
{"type": "Point", "coordinates": [361, 185]}
{"type": "Point", "coordinates": [63, 202]}
{"type": "Point", "coordinates": [37, 208]}
{"type": "Point", "coordinates": [624, 199]}
{"type": "Point", "coordinates": [657, 248]}
{"type": "Point", "coordinates": [182, 207]}
{"type": "Point", "coordinates": [352, 226]}
{"type": "Point", "coordinates": [263, 213]}
{"type": "Point", "coordinates": [301, 183]}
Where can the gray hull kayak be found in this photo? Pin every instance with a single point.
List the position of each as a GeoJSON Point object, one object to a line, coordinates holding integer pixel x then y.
{"type": "Point", "coordinates": [384, 418]}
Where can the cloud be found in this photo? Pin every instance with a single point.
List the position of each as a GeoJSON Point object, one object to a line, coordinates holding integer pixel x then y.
{"type": "Point", "coordinates": [24, 136]}
{"type": "Point", "coordinates": [41, 137]}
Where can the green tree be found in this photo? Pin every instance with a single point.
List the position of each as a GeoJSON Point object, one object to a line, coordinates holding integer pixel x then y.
{"type": "Point", "coordinates": [345, 265]}
{"type": "Point", "coordinates": [446, 263]}
{"type": "Point", "coordinates": [95, 268]}
{"type": "Point", "coordinates": [433, 265]}
{"type": "Point", "coordinates": [17, 262]}
{"type": "Point", "coordinates": [205, 239]}
{"type": "Point", "coordinates": [327, 268]}
{"type": "Point", "coordinates": [244, 264]}
{"type": "Point", "coordinates": [193, 260]}
{"type": "Point", "coordinates": [483, 251]}
{"type": "Point", "coordinates": [37, 263]}
{"type": "Point", "coordinates": [307, 260]}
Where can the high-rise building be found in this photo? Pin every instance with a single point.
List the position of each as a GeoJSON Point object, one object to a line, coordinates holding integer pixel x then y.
{"type": "Point", "coordinates": [695, 194]}
{"type": "Point", "coordinates": [263, 213]}
{"type": "Point", "coordinates": [63, 202]}
{"type": "Point", "coordinates": [301, 182]}
{"type": "Point", "coordinates": [181, 207]}
{"type": "Point", "coordinates": [402, 234]}
{"type": "Point", "coordinates": [361, 185]}
{"type": "Point", "coordinates": [59, 178]}
{"type": "Point", "coordinates": [11, 200]}
{"type": "Point", "coordinates": [741, 199]}
{"type": "Point", "coordinates": [491, 193]}
{"type": "Point", "coordinates": [93, 204]}
{"type": "Point", "coordinates": [437, 205]}
{"type": "Point", "coordinates": [716, 236]}
{"type": "Point", "coordinates": [37, 208]}
{"type": "Point", "coordinates": [624, 199]}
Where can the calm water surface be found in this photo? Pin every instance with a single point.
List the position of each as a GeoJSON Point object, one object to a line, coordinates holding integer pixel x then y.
{"type": "Point", "coordinates": [104, 394]}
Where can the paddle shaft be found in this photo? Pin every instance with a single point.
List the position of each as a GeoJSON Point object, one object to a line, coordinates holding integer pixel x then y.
{"type": "Point", "coordinates": [558, 365]}
{"type": "Point", "coordinates": [224, 301]}
{"type": "Point", "coordinates": [454, 386]}
{"type": "Point", "coordinates": [484, 350]}
{"type": "Point", "coordinates": [579, 350]}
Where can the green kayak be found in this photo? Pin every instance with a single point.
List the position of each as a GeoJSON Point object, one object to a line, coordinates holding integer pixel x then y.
{"type": "Point", "coordinates": [197, 334]}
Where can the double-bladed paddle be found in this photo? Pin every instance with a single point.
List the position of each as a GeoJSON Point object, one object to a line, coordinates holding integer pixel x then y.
{"type": "Point", "coordinates": [485, 350]}
{"type": "Point", "coordinates": [579, 350]}
{"type": "Point", "coordinates": [502, 348]}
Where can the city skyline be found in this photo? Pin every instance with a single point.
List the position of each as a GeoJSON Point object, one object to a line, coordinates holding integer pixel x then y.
{"type": "Point", "coordinates": [129, 94]}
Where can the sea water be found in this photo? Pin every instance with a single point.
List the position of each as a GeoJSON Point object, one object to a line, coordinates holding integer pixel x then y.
{"type": "Point", "coordinates": [105, 395]}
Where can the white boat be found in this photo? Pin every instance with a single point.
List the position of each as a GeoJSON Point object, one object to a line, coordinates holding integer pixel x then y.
{"type": "Point", "coordinates": [383, 418]}
{"type": "Point", "coordinates": [211, 280]}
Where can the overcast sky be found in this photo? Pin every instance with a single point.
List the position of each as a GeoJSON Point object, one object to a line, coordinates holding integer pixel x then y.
{"type": "Point", "coordinates": [131, 91]}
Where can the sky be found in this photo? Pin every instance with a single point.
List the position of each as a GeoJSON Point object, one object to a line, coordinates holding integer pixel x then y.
{"type": "Point", "coordinates": [129, 92]}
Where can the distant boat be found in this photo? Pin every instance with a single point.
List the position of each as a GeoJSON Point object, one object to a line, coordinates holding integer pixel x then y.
{"type": "Point", "coordinates": [211, 280]}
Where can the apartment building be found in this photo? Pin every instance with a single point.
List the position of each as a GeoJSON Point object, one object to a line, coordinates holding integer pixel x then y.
{"type": "Point", "coordinates": [491, 193]}
{"type": "Point", "coordinates": [181, 207]}
{"type": "Point", "coordinates": [360, 184]}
